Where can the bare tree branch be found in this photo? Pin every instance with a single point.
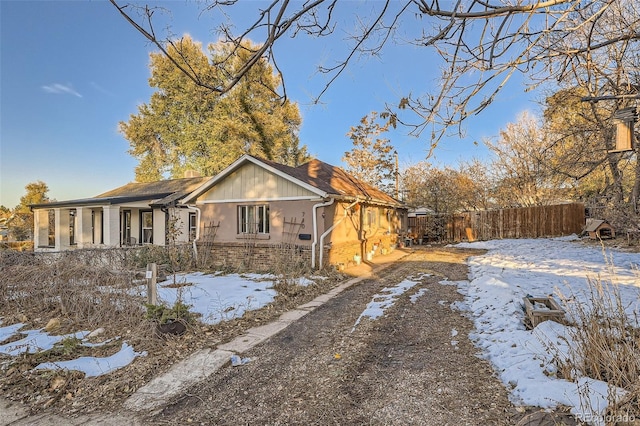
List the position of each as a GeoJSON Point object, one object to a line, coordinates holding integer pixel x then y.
{"type": "Point", "coordinates": [483, 44]}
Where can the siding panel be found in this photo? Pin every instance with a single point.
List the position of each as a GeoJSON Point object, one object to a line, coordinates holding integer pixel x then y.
{"type": "Point", "coordinates": [254, 183]}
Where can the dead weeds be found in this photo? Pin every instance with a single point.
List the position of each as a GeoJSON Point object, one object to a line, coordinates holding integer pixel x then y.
{"type": "Point", "coordinates": [80, 292]}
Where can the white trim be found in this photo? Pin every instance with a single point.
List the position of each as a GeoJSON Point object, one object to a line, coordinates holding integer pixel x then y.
{"type": "Point", "coordinates": [257, 200]}
{"type": "Point", "coordinates": [239, 162]}
{"type": "Point", "coordinates": [314, 220]}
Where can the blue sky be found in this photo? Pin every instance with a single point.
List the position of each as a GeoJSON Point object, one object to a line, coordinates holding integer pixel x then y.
{"type": "Point", "coordinates": [72, 70]}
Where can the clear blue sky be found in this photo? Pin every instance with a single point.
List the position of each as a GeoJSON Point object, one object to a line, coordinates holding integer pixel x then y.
{"type": "Point", "coordinates": [72, 70]}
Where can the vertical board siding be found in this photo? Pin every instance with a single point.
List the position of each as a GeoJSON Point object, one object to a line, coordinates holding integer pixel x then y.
{"type": "Point", "coordinates": [253, 183]}
{"type": "Point", "coordinates": [524, 222]}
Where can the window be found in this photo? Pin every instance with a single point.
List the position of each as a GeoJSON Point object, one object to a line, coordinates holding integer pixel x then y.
{"type": "Point", "coordinates": [193, 226]}
{"type": "Point", "coordinates": [372, 217]}
{"type": "Point", "coordinates": [52, 228]}
{"type": "Point", "coordinates": [72, 227]}
{"type": "Point", "coordinates": [253, 219]}
{"type": "Point", "coordinates": [125, 227]}
{"type": "Point", "coordinates": [146, 219]}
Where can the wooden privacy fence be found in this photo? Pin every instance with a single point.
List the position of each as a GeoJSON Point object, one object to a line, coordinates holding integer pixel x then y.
{"type": "Point", "coordinates": [525, 222]}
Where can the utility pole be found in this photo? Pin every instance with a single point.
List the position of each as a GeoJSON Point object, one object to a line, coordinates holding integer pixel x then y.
{"type": "Point", "coordinates": [395, 153]}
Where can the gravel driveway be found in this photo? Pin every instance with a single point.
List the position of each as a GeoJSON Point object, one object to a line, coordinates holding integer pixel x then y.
{"type": "Point", "coordinates": [414, 365]}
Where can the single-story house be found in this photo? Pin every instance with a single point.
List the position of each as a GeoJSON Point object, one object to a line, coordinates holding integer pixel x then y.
{"type": "Point", "coordinates": [133, 214]}
{"type": "Point", "coordinates": [329, 216]}
{"type": "Point", "coordinates": [254, 209]}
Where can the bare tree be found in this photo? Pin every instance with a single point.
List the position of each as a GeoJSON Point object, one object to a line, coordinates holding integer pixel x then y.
{"type": "Point", "coordinates": [483, 44]}
{"type": "Point", "coordinates": [595, 84]}
{"type": "Point", "coordinates": [446, 190]}
{"type": "Point", "coordinates": [521, 165]}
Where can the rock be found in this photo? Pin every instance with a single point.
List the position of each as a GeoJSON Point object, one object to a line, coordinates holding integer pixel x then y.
{"type": "Point", "coordinates": [236, 361]}
{"type": "Point", "coordinates": [57, 383]}
{"type": "Point", "coordinates": [53, 324]}
{"type": "Point", "coordinates": [95, 332]}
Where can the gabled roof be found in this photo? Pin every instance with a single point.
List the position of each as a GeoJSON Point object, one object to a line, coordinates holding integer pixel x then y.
{"type": "Point", "coordinates": [593, 224]}
{"type": "Point", "coordinates": [319, 177]}
{"type": "Point", "coordinates": [159, 193]}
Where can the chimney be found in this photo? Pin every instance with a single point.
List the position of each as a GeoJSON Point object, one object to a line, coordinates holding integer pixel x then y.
{"type": "Point", "coordinates": [190, 173]}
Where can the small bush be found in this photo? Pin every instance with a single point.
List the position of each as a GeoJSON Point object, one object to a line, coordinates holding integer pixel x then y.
{"type": "Point", "coordinates": [163, 314]}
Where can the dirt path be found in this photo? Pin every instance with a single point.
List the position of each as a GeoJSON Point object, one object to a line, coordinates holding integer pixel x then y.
{"type": "Point", "coordinates": [415, 365]}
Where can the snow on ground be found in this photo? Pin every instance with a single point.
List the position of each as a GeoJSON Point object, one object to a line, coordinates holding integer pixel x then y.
{"type": "Point", "coordinates": [513, 269]}
{"type": "Point", "coordinates": [499, 279]}
{"type": "Point", "coordinates": [219, 297]}
{"type": "Point", "coordinates": [96, 366]}
{"type": "Point", "coordinates": [33, 340]}
{"type": "Point", "coordinates": [387, 298]}
{"type": "Point", "coordinates": [215, 297]}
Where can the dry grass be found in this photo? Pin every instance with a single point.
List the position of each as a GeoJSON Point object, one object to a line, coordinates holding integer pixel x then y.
{"type": "Point", "coordinates": [606, 345]}
{"type": "Point", "coordinates": [80, 290]}
{"type": "Point", "coordinates": [91, 289]}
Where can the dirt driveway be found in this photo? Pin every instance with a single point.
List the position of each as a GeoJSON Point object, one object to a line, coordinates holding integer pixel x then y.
{"type": "Point", "coordinates": [414, 365]}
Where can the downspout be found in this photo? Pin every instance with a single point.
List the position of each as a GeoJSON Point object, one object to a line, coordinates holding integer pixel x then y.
{"type": "Point", "coordinates": [195, 240]}
{"type": "Point", "coordinates": [346, 209]}
{"type": "Point", "coordinates": [315, 229]}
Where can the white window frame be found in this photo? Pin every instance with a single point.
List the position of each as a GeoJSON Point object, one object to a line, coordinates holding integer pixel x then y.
{"type": "Point", "coordinates": [144, 228]}
{"type": "Point", "coordinates": [193, 226]}
{"type": "Point", "coordinates": [253, 219]}
{"type": "Point", "coordinates": [373, 217]}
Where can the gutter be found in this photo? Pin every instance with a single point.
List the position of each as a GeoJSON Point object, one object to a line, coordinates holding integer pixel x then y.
{"type": "Point", "coordinates": [346, 209]}
{"type": "Point", "coordinates": [315, 229]}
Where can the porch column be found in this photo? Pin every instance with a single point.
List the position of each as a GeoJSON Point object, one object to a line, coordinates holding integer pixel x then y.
{"type": "Point", "coordinates": [40, 228]}
{"type": "Point", "coordinates": [62, 228]}
{"type": "Point", "coordinates": [97, 227]}
{"type": "Point", "coordinates": [83, 227]}
{"type": "Point", "coordinates": [111, 220]}
{"type": "Point", "coordinates": [159, 227]}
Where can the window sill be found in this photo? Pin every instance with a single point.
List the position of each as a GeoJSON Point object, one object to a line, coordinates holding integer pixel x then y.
{"type": "Point", "coordinates": [253, 237]}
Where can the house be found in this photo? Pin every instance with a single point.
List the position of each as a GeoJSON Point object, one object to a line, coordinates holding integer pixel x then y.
{"type": "Point", "coordinates": [599, 229]}
{"type": "Point", "coordinates": [133, 214]}
{"type": "Point", "coordinates": [318, 210]}
{"type": "Point", "coordinates": [254, 211]}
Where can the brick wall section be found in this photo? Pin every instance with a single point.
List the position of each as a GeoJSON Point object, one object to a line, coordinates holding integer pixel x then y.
{"type": "Point", "coordinates": [264, 256]}
{"type": "Point", "coordinates": [261, 257]}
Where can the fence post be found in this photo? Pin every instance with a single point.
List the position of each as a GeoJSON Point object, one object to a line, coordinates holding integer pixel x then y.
{"type": "Point", "coordinates": [152, 291]}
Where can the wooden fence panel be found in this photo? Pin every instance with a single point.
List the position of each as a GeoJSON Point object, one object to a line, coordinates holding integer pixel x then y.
{"type": "Point", "coordinates": [525, 222]}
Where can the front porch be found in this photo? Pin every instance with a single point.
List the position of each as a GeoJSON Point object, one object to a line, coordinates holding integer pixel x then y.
{"type": "Point", "coordinates": [77, 227]}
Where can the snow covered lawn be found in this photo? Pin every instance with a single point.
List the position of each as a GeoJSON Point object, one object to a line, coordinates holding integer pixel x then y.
{"type": "Point", "coordinates": [523, 359]}
{"type": "Point", "coordinates": [219, 297]}
{"type": "Point", "coordinates": [215, 298]}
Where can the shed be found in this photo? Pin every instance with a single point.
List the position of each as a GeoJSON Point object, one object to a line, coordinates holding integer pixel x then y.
{"type": "Point", "coordinates": [599, 229]}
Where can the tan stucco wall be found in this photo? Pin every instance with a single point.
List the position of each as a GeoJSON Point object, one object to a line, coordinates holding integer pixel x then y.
{"type": "Point", "coordinates": [349, 237]}
{"type": "Point", "coordinates": [280, 212]}
{"type": "Point", "coordinates": [348, 225]}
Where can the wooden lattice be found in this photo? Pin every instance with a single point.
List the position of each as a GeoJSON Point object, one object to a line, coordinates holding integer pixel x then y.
{"type": "Point", "coordinates": [288, 247]}
{"type": "Point", "coordinates": [205, 252]}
